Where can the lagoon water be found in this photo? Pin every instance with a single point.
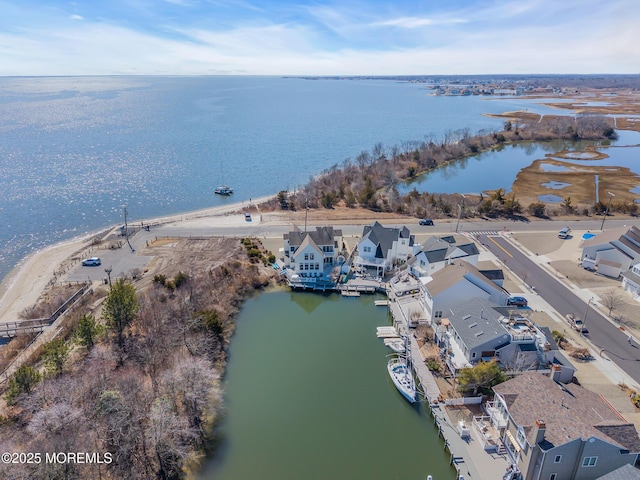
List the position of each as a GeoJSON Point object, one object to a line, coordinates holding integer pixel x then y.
{"type": "Point", "coordinates": [74, 150]}
{"type": "Point", "coordinates": [308, 397]}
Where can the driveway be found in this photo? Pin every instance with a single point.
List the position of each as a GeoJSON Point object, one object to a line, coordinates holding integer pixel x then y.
{"type": "Point", "coordinates": [606, 337]}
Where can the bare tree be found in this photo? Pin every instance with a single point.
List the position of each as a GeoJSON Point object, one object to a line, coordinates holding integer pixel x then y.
{"type": "Point", "coordinates": [612, 299]}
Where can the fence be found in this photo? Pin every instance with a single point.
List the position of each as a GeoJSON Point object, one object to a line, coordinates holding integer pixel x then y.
{"type": "Point", "coordinates": [463, 401]}
{"type": "Point", "coordinates": [46, 335]}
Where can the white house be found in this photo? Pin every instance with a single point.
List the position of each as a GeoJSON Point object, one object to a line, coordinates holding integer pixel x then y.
{"type": "Point", "coordinates": [456, 283]}
{"type": "Point", "coordinates": [437, 252]}
{"type": "Point", "coordinates": [479, 330]}
{"type": "Point", "coordinates": [383, 247]}
{"type": "Point", "coordinates": [616, 249]}
{"type": "Point", "coordinates": [631, 281]}
{"type": "Point", "coordinates": [312, 254]}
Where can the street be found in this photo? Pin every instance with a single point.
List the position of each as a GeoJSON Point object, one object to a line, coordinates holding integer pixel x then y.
{"type": "Point", "coordinates": [606, 337]}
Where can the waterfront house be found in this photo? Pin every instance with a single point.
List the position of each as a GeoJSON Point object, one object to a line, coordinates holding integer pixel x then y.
{"type": "Point", "coordinates": [479, 330]}
{"type": "Point", "coordinates": [455, 283]}
{"type": "Point", "coordinates": [555, 431]}
{"type": "Point", "coordinates": [437, 252]}
{"type": "Point", "coordinates": [631, 281]}
{"type": "Point", "coordinates": [381, 248]}
{"type": "Point", "coordinates": [612, 252]}
{"type": "Point", "coordinates": [311, 256]}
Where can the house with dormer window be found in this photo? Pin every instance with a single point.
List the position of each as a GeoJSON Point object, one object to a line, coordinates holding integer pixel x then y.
{"type": "Point", "coordinates": [557, 431]}
{"type": "Point", "coordinates": [312, 255]}
{"type": "Point", "coordinates": [438, 252]}
{"type": "Point", "coordinates": [381, 248]}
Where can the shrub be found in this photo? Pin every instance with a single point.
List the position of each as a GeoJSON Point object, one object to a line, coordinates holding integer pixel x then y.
{"type": "Point", "coordinates": [160, 279]}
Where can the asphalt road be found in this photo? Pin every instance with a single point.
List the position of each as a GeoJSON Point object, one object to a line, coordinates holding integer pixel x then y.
{"type": "Point", "coordinates": [604, 335]}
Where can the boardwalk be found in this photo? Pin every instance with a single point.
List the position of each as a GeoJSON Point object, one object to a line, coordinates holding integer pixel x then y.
{"type": "Point", "coordinates": [467, 454]}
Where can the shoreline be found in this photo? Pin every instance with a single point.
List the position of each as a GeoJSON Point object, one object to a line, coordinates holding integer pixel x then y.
{"type": "Point", "coordinates": [27, 280]}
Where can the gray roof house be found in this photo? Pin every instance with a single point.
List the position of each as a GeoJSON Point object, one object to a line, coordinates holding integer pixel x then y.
{"type": "Point", "coordinates": [631, 281]}
{"type": "Point", "coordinates": [556, 431]}
{"type": "Point", "coordinates": [617, 250]}
{"type": "Point", "coordinates": [383, 247]}
{"type": "Point", "coordinates": [311, 256]}
{"type": "Point", "coordinates": [477, 330]}
{"type": "Point", "coordinates": [455, 283]}
{"type": "Point", "coordinates": [437, 252]}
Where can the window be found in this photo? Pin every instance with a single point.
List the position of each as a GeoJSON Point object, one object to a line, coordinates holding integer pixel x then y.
{"type": "Point", "coordinates": [366, 249]}
{"type": "Point", "coordinates": [521, 437]}
{"type": "Point", "coordinates": [557, 459]}
{"type": "Point", "coordinates": [311, 256]}
{"type": "Point", "coordinates": [438, 314]}
{"type": "Point", "coordinates": [553, 475]}
{"type": "Point", "coordinates": [473, 355]}
{"type": "Point", "coordinates": [306, 256]}
{"type": "Point", "coordinates": [589, 461]}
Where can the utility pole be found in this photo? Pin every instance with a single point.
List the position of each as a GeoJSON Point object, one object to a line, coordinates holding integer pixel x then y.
{"type": "Point", "coordinates": [606, 212]}
{"type": "Point", "coordinates": [126, 227]}
{"type": "Point", "coordinates": [306, 212]}
{"type": "Point", "coordinates": [460, 208]}
{"type": "Point", "coordinates": [584, 318]}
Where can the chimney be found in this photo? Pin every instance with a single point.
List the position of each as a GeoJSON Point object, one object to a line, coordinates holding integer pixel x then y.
{"type": "Point", "coordinates": [538, 431]}
{"type": "Point", "coordinates": [556, 372]}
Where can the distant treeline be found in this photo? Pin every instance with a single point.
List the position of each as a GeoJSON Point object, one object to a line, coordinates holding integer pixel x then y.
{"type": "Point", "coordinates": [557, 81]}
{"type": "Point", "coordinates": [370, 180]}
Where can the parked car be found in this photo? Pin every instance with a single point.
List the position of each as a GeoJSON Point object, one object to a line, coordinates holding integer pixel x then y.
{"type": "Point", "coordinates": [576, 323]}
{"type": "Point", "coordinates": [564, 233]}
{"type": "Point", "coordinates": [517, 301]}
{"type": "Point", "coordinates": [91, 262]}
{"type": "Point", "coordinates": [247, 217]}
{"type": "Point", "coordinates": [425, 221]}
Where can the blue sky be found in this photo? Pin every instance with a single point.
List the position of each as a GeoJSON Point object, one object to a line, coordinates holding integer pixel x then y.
{"type": "Point", "coordinates": [318, 37]}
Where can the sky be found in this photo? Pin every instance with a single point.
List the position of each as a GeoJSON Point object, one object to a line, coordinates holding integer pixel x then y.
{"type": "Point", "coordinates": [318, 37]}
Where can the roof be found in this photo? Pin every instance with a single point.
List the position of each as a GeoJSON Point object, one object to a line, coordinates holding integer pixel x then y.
{"type": "Point", "coordinates": [454, 273]}
{"type": "Point", "coordinates": [569, 412]}
{"type": "Point", "coordinates": [383, 237]}
{"type": "Point", "coordinates": [469, 248]}
{"type": "Point", "coordinates": [321, 236]}
{"type": "Point", "coordinates": [493, 275]}
{"type": "Point", "coordinates": [476, 322]}
{"type": "Point", "coordinates": [610, 263]}
{"type": "Point", "coordinates": [308, 241]}
{"type": "Point", "coordinates": [625, 472]}
{"type": "Point", "coordinates": [632, 234]}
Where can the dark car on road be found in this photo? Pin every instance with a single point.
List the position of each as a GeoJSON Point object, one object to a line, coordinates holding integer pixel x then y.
{"type": "Point", "coordinates": [517, 301]}
{"type": "Point", "coordinates": [425, 221]}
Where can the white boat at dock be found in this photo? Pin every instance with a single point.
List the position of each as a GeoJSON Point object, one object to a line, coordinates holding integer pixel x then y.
{"type": "Point", "coordinates": [401, 372]}
{"type": "Point", "coordinates": [381, 303]}
{"type": "Point", "coordinates": [395, 344]}
{"type": "Point", "coordinates": [387, 332]}
{"type": "Point", "coordinates": [402, 376]}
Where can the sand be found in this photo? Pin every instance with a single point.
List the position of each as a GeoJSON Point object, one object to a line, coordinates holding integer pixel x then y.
{"type": "Point", "coordinates": [23, 286]}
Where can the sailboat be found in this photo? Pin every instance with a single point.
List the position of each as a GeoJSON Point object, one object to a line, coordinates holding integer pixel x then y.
{"type": "Point", "coordinates": [223, 189]}
{"type": "Point", "coordinates": [401, 373]}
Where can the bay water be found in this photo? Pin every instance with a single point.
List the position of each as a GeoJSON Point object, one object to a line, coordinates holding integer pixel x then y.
{"type": "Point", "coordinates": [307, 395]}
{"type": "Point", "coordinates": [75, 150]}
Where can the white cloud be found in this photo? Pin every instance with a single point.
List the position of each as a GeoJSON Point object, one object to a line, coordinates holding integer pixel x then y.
{"type": "Point", "coordinates": [417, 22]}
{"type": "Point", "coordinates": [76, 17]}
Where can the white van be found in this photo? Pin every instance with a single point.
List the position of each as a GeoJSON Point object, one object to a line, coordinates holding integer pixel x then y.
{"type": "Point", "coordinates": [564, 233]}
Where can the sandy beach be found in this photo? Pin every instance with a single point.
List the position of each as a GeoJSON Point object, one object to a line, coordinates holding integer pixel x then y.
{"type": "Point", "coordinates": [23, 286]}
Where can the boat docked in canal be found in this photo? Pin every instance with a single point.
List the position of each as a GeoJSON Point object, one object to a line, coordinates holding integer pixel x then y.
{"type": "Point", "coordinates": [401, 373]}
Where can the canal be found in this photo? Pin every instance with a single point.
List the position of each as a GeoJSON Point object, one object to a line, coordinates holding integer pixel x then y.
{"type": "Point", "coordinates": [307, 395]}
